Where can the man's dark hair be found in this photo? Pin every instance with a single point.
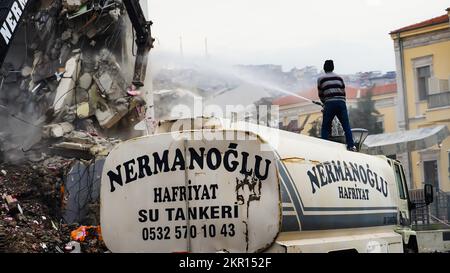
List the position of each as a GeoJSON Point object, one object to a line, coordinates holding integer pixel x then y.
{"type": "Point", "coordinates": [328, 66]}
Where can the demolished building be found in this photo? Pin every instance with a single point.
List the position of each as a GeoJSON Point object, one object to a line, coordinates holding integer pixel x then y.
{"type": "Point", "coordinates": [65, 96]}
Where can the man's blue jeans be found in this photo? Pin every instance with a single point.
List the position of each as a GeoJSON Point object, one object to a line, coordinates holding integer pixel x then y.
{"type": "Point", "coordinates": [339, 109]}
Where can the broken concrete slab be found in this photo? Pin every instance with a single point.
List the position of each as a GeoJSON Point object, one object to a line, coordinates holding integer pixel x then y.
{"type": "Point", "coordinates": [93, 96]}
{"type": "Point", "coordinates": [10, 201]}
{"type": "Point", "coordinates": [80, 137]}
{"type": "Point", "coordinates": [105, 83]}
{"type": "Point", "coordinates": [65, 53]}
{"type": "Point", "coordinates": [73, 146]}
{"type": "Point", "coordinates": [93, 148]}
{"type": "Point", "coordinates": [66, 35]}
{"type": "Point", "coordinates": [73, 5]}
{"type": "Point", "coordinates": [85, 81]}
{"type": "Point", "coordinates": [26, 71]}
{"type": "Point", "coordinates": [108, 116]}
{"type": "Point", "coordinates": [83, 110]}
{"type": "Point", "coordinates": [109, 76]}
{"type": "Point", "coordinates": [75, 38]}
{"type": "Point", "coordinates": [37, 57]}
{"type": "Point", "coordinates": [64, 93]}
{"type": "Point", "coordinates": [57, 130]}
{"type": "Point", "coordinates": [12, 205]}
{"type": "Point", "coordinates": [69, 115]}
{"type": "Point", "coordinates": [100, 151]}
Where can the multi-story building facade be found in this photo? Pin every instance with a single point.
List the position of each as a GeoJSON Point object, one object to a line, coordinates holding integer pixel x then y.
{"type": "Point", "coordinates": [422, 54]}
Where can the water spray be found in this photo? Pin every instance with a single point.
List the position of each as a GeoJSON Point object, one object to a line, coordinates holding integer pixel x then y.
{"type": "Point", "coordinates": [312, 101]}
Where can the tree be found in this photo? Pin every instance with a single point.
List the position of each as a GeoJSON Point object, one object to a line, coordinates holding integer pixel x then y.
{"type": "Point", "coordinates": [316, 126]}
{"type": "Point", "coordinates": [365, 115]}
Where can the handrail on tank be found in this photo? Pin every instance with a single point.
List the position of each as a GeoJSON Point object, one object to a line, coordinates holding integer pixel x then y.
{"type": "Point", "coordinates": [359, 136]}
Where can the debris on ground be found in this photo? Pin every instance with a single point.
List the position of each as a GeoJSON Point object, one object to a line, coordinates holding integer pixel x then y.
{"type": "Point", "coordinates": [37, 188]}
{"type": "Point", "coordinates": [81, 233]}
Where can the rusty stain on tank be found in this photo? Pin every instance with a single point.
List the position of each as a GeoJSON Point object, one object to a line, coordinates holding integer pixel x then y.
{"type": "Point", "coordinates": [298, 160]}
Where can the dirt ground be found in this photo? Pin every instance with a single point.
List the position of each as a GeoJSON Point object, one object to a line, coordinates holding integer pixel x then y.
{"type": "Point", "coordinates": [39, 229]}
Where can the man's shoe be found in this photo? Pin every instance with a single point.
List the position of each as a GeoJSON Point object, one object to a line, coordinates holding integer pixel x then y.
{"type": "Point", "coordinates": [352, 149]}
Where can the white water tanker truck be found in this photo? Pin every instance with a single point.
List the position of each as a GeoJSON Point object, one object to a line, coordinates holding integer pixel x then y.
{"type": "Point", "coordinates": [209, 185]}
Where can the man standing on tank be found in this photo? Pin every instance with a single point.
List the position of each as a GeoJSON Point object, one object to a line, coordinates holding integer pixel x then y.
{"type": "Point", "coordinates": [332, 94]}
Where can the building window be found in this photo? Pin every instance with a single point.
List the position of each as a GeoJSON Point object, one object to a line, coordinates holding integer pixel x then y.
{"type": "Point", "coordinates": [448, 153]}
{"type": "Point", "coordinates": [380, 122]}
{"type": "Point", "coordinates": [399, 179]}
{"type": "Point", "coordinates": [431, 174]}
{"type": "Point", "coordinates": [423, 76]}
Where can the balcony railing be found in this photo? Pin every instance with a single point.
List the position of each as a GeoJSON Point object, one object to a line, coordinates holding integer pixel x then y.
{"type": "Point", "coordinates": [439, 100]}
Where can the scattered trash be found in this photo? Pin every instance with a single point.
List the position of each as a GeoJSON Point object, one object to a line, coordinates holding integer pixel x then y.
{"type": "Point", "coordinates": [82, 232]}
{"type": "Point", "coordinates": [73, 247]}
{"type": "Point", "coordinates": [37, 186]}
{"type": "Point", "coordinates": [58, 249]}
{"type": "Point", "coordinates": [132, 91]}
{"type": "Point", "coordinates": [10, 201]}
{"type": "Point", "coordinates": [54, 226]}
{"type": "Point", "coordinates": [19, 208]}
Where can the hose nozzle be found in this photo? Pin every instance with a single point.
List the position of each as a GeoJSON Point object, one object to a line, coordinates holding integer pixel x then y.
{"type": "Point", "coordinates": [318, 103]}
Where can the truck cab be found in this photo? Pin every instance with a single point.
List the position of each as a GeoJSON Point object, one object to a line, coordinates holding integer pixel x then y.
{"type": "Point", "coordinates": [405, 206]}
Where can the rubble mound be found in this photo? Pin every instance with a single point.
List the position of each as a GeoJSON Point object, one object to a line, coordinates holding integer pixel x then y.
{"type": "Point", "coordinates": [69, 68]}
{"type": "Point", "coordinates": [31, 222]}
{"type": "Point", "coordinates": [66, 99]}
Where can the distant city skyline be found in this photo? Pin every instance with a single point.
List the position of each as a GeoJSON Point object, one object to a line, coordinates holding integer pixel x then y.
{"type": "Point", "coordinates": [291, 33]}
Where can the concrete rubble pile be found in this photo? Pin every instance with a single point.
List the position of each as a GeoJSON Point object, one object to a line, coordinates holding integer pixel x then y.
{"type": "Point", "coordinates": [69, 71]}
{"type": "Point", "coordinates": [32, 201]}
{"type": "Point", "coordinates": [64, 97]}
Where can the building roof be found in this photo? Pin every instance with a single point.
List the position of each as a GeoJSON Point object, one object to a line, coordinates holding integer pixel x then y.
{"type": "Point", "coordinates": [351, 93]}
{"type": "Point", "coordinates": [288, 100]}
{"type": "Point", "coordinates": [384, 89]}
{"type": "Point", "coordinates": [404, 141]}
{"type": "Point", "coordinates": [430, 22]}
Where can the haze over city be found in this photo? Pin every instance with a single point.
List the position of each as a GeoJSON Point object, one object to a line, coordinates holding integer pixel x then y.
{"type": "Point", "coordinates": [291, 33]}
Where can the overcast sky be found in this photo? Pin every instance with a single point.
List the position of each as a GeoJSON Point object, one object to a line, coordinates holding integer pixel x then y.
{"type": "Point", "coordinates": [288, 32]}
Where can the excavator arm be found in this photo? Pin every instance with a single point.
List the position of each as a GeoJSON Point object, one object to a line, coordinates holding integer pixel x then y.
{"type": "Point", "coordinates": [144, 40]}
{"type": "Point", "coordinates": [11, 13]}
